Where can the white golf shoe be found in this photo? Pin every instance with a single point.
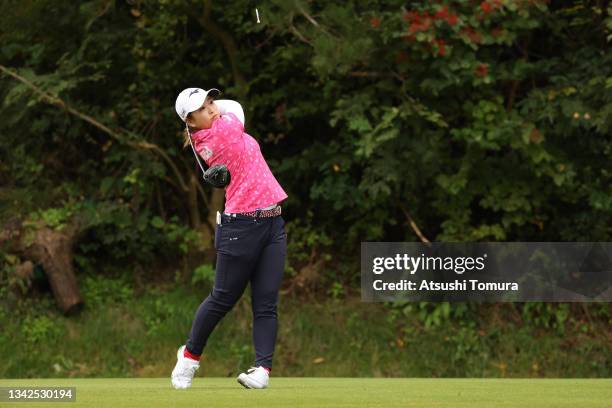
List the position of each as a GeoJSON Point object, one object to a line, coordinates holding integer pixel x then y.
{"type": "Point", "coordinates": [184, 370]}
{"type": "Point", "coordinates": [255, 377]}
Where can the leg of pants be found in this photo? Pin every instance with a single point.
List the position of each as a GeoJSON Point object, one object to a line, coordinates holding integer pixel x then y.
{"type": "Point", "coordinates": [231, 278]}
{"type": "Point", "coordinates": [265, 283]}
{"type": "Point", "coordinates": [242, 245]}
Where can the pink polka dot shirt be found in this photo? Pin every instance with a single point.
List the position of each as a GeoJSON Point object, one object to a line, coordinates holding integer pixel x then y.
{"type": "Point", "coordinates": [252, 184]}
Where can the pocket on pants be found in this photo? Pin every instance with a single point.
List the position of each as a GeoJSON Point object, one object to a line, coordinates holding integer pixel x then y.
{"type": "Point", "coordinates": [235, 239]}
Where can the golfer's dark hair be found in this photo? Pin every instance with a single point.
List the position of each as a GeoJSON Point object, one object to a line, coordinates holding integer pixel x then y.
{"type": "Point", "coordinates": [186, 135]}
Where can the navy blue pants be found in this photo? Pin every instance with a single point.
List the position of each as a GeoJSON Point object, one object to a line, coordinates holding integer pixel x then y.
{"type": "Point", "coordinates": [249, 249]}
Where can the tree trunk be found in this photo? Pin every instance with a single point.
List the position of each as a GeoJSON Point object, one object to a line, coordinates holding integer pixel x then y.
{"type": "Point", "coordinates": [53, 249]}
{"type": "Point", "coordinates": [192, 202]}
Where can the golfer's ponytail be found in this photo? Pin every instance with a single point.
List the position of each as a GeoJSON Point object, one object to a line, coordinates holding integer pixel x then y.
{"type": "Point", "coordinates": [185, 138]}
{"type": "Point", "coordinates": [186, 135]}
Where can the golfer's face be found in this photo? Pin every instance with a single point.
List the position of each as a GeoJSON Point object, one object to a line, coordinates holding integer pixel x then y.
{"type": "Point", "coordinates": [204, 117]}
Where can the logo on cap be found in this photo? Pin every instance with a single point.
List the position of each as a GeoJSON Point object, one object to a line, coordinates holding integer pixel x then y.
{"type": "Point", "coordinates": [194, 91]}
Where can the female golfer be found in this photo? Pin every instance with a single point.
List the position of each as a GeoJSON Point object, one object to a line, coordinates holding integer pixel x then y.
{"type": "Point", "coordinates": [250, 237]}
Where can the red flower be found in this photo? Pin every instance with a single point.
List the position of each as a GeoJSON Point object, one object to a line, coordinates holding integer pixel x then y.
{"type": "Point", "coordinates": [486, 7]}
{"type": "Point", "coordinates": [442, 14]}
{"type": "Point", "coordinates": [419, 25]}
{"type": "Point", "coordinates": [482, 70]}
{"type": "Point", "coordinates": [410, 16]}
{"type": "Point", "coordinates": [426, 21]}
{"type": "Point", "coordinates": [441, 47]}
{"type": "Point", "coordinates": [472, 35]}
{"type": "Point", "coordinates": [375, 22]}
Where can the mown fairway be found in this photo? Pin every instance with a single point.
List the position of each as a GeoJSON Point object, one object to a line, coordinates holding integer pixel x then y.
{"type": "Point", "coordinates": [333, 392]}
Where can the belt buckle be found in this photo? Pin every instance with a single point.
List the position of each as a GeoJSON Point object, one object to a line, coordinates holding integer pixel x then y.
{"type": "Point", "coordinates": [230, 215]}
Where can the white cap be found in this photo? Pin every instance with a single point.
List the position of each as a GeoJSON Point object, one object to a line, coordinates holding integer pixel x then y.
{"type": "Point", "coordinates": [191, 99]}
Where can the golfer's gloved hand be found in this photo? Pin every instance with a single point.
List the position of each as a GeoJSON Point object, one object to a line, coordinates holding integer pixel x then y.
{"type": "Point", "coordinates": [218, 176]}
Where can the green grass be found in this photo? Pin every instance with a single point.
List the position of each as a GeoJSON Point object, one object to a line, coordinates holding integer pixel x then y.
{"type": "Point", "coordinates": [128, 333]}
{"type": "Point", "coordinates": [334, 392]}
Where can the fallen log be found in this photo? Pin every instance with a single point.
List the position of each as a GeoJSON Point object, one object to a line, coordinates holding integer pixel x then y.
{"type": "Point", "coordinates": [53, 249]}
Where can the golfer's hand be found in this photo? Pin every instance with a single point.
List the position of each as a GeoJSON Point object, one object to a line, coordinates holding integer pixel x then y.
{"type": "Point", "coordinates": [217, 176]}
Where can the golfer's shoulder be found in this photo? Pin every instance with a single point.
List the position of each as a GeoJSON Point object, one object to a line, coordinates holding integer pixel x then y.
{"type": "Point", "coordinates": [227, 106]}
{"type": "Point", "coordinates": [232, 121]}
{"type": "Point", "coordinates": [230, 117]}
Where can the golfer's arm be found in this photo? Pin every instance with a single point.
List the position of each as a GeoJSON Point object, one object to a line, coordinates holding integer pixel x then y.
{"type": "Point", "coordinates": [228, 105]}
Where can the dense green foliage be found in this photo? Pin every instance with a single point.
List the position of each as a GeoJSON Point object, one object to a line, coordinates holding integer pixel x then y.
{"type": "Point", "coordinates": [469, 120]}
{"type": "Point", "coordinates": [482, 120]}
